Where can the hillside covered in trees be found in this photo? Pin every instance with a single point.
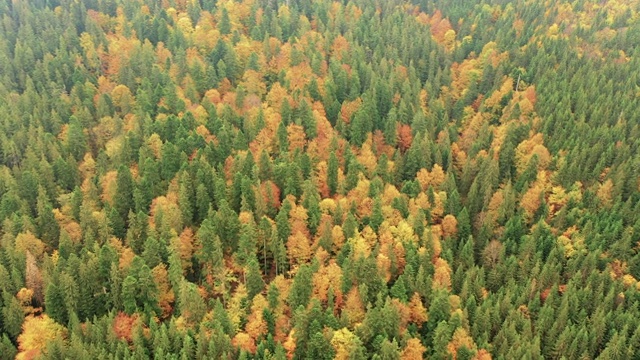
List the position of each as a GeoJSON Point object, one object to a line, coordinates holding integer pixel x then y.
{"type": "Point", "coordinates": [317, 179]}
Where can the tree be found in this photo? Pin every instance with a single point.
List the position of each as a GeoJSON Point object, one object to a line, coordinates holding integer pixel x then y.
{"type": "Point", "coordinates": [187, 199]}
{"type": "Point", "coordinates": [184, 247]}
{"type": "Point", "coordinates": [319, 347]}
{"type": "Point", "coordinates": [301, 288]}
{"type": "Point", "coordinates": [332, 173]}
{"type": "Point", "coordinates": [12, 315]}
{"type": "Point", "coordinates": [376, 215]}
{"type": "Point", "coordinates": [123, 201]}
{"type": "Point", "coordinates": [347, 345]}
{"type": "Point", "coordinates": [308, 121]}
{"type": "Point", "coordinates": [33, 279]}
{"type": "Point", "coordinates": [431, 179]}
{"type": "Point", "coordinates": [225, 23]}
{"type": "Point", "coordinates": [388, 350]}
{"type": "Point", "coordinates": [255, 284]}
{"type": "Point", "coordinates": [247, 243]}
{"type": "Point", "coordinates": [37, 333]}
{"type": "Point", "coordinates": [311, 200]}
{"type": "Point", "coordinates": [117, 224]}
{"type": "Point", "coordinates": [7, 349]}
{"type": "Point", "coordinates": [441, 337]}
{"type": "Point", "coordinates": [147, 291]}
{"type": "Point", "coordinates": [203, 202]}
{"type": "Point", "coordinates": [227, 225]}
{"type": "Point", "coordinates": [192, 306]}
{"type": "Point", "coordinates": [298, 248]}
{"type": "Point", "coordinates": [460, 343]}
{"type": "Point", "coordinates": [129, 295]}
{"type": "Point", "coordinates": [76, 139]}
{"type": "Point", "coordinates": [54, 303]}
{"type": "Point", "coordinates": [449, 226]}
{"type": "Point", "coordinates": [48, 227]}
{"type": "Point", "coordinates": [209, 252]}
{"type": "Point", "coordinates": [153, 252]}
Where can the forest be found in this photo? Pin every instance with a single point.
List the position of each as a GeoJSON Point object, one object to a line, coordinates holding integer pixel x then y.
{"type": "Point", "coordinates": [319, 179]}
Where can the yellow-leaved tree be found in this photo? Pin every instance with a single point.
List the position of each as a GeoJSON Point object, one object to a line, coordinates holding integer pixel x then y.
{"type": "Point", "coordinates": [37, 332]}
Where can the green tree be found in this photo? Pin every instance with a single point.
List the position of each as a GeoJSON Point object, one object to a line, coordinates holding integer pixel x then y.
{"type": "Point", "coordinates": [255, 283]}
{"type": "Point", "coordinates": [301, 289]}
{"type": "Point", "coordinates": [7, 349]}
{"type": "Point", "coordinates": [319, 347]}
{"type": "Point", "coordinates": [153, 252]}
{"type": "Point", "coordinates": [187, 199]}
{"type": "Point", "coordinates": [210, 253]}
{"type": "Point", "coordinates": [311, 202]}
{"type": "Point", "coordinates": [203, 202]}
{"type": "Point", "coordinates": [225, 23]}
{"type": "Point", "coordinates": [76, 139]}
{"type": "Point", "coordinates": [123, 201]}
{"type": "Point", "coordinates": [129, 295]}
{"type": "Point", "coordinates": [12, 315]}
{"type": "Point", "coordinates": [192, 305]}
{"type": "Point", "coordinates": [54, 303]}
{"type": "Point", "coordinates": [47, 225]}
{"type": "Point", "coordinates": [376, 218]}
{"type": "Point", "coordinates": [332, 173]}
{"type": "Point", "coordinates": [138, 231]}
{"type": "Point", "coordinates": [247, 243]}
{"type": "Point", "coordinates": [227, 225]}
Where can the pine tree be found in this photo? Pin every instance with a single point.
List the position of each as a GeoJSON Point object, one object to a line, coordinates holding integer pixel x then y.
{"type": "Point", "coordinates": [246, 244]}
{"type": "Point", "coordinates": [203, 202]}
{"type": "Point", "coordinates": [282, 221]}
{"type": "Point", "coordinates": [123, 201]}
{"type": "Point", "coordinates": [227, 225]}
{"type": "Point", "coordinates": [350, 226]}
{"type": "Point", "coordinates": [54, 303]}
{"type": "Point", "coordinates": [153, 252]}
{"type": "Point", "coordinates": [319, 347]}
{"type": "Point", "coordinates": [137, 231]}
{"type": "Point", "coordinates": [332, 173]}
{"type": "Point", "coordinates": [300, 292]}
{"type": "Point", "coordinates": [7, 349]}
{"type": "Point", "coordinates": [255, 284]}
{"type": "Point", "coordinates": [48, 228]}
{"type": "Point", "coordinates": [311, 200]}
{"type": "Point", "coordinates": [129, 291]}
{"type": "Point", "coordinates": [147, 295]}
{"type": "Point", "coordinates": [308, 120]}
{"type": "Point", "coordinates": [76, 139]}
{"type": "Point", "coordinates": [192, 306]}
{"type": "Point", "coordinates": [117, 224]}
{"type": "Point", "coordinates": [376, 215]}
{"type": "Point", "coordinates": [225, 23]}
{"type": "Point", "coordinates": [186, 199]}
{"type": "Point", "coordinates": [210, 253]}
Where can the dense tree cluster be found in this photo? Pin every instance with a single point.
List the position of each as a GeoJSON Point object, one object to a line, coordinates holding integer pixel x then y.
{"type": "Point", "coordinates": [297, 179]}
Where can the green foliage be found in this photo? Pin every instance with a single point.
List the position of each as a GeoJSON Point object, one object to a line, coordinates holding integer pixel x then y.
{"type": "Point", "coordinates": [300, 292]}
{"type": "Point", "coordinates": [12, 315]}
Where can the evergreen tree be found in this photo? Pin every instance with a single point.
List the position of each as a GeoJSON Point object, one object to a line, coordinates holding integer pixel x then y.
{"type": "Point", "coordinates": [255, 284]}
{"type": "Point", "coordinates": [301, 288]}
{"type": "Point", "coordinates": [332, 173]}
{"type": "Point", "coordinates": [54, 303]}
{"type": "Point", "coordinates": [48, 228]}
{"type": "Point", "coordinates": [376, 216]}
{"type": "Point", "coordinates": [186, 199]}
{"type": "Point", "coordinates": [123, 201]}
{"type": "Point", "coordinates": [225, 22]}
{"type": "Point", "coordinates": [76, 139]}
